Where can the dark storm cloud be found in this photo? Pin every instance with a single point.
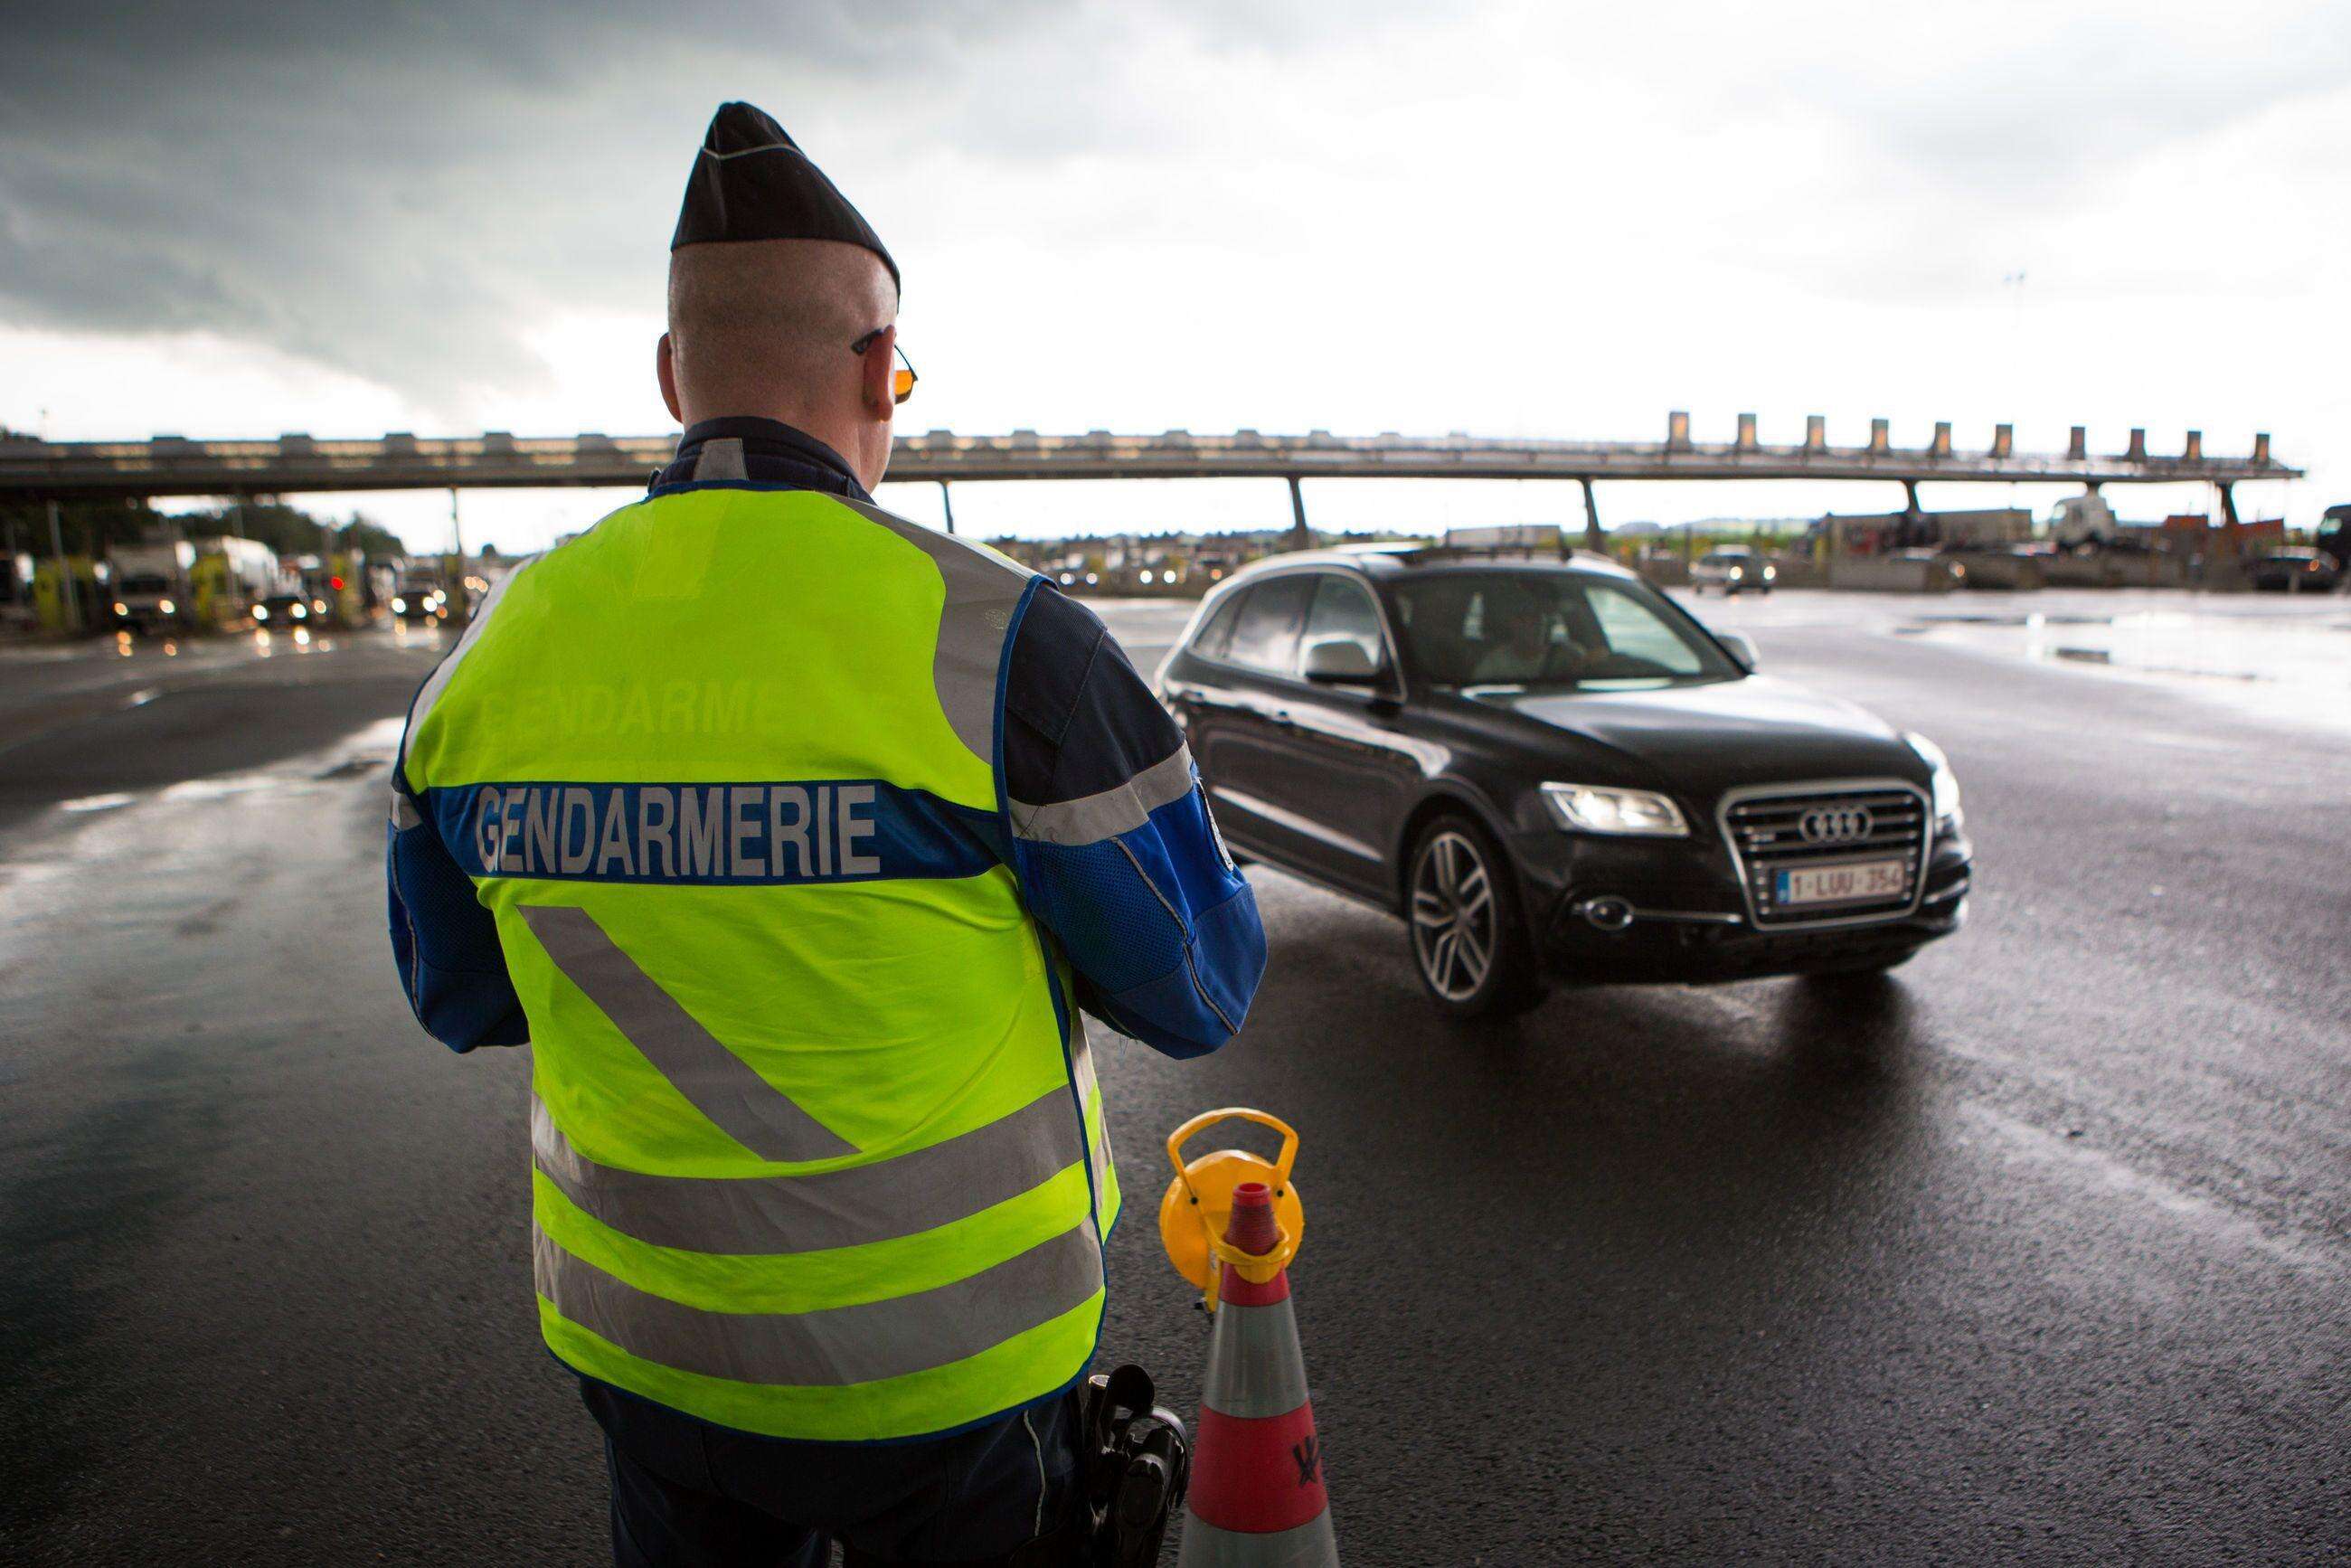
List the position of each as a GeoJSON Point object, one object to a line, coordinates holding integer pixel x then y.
{"type": "Point", "coordinates": [408, 193]}
{"type": "Point", "coordinates": [399, 192]}
{"type": "Point", "coordinates": [404, 191]}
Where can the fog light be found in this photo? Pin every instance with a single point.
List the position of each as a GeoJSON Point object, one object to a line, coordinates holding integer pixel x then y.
{"type": "Point", "coordinates": [1607, 912]}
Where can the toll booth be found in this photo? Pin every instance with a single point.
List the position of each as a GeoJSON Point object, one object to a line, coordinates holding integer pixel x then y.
{"type": "Point", "coordinates": [73, 599]}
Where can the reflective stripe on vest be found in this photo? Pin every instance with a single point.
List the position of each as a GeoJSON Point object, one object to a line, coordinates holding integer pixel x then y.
{"type": "Point", "coordinates": [817, 1141]}
{"type": "Point", "coordinates": [860, 1344]}
{"type": "Point", "coordinates": [847, 1207]}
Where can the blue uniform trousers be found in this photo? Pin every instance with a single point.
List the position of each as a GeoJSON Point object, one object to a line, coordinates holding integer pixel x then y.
{"type": "Point", "coordinates": [686, 1494]}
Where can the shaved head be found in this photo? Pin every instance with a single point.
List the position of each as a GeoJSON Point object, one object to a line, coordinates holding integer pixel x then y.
{"type": "Point", "coordinates": [765, 328]}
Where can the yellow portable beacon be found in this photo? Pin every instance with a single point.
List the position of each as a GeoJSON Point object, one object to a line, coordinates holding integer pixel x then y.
{"type": "Point", "coordinates": [1199, 1201]}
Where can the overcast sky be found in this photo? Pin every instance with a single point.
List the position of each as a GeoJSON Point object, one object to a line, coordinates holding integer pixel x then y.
{"type": "Point", "coordinates": [1510, 219]}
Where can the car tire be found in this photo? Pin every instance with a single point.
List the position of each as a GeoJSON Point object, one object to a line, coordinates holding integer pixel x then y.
{"type": "Point", "coordinates": [1464, 925]}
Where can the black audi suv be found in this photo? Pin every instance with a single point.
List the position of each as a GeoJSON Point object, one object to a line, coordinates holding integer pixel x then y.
{"type": "Point", "coordinates": [1550, 770]}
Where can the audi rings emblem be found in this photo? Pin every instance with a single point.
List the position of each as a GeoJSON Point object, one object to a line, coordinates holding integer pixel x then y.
{"type": "Point", "coordinates": [1835, 824]}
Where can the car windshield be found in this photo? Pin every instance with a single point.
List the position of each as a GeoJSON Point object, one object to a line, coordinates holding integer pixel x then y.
{"type": "Point", "coordinates": [1480, 631]}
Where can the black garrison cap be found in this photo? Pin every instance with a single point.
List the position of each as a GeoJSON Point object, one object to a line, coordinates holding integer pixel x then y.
{"type": "Point", "coordinates": [752, 182]}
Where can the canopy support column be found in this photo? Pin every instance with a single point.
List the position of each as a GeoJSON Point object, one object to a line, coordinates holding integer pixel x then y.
{"type": "Point", "coordinates": [69, 597]}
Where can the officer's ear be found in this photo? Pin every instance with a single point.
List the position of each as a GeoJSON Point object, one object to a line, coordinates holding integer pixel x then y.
{"type": "Point", "coordinates": [878, 375]}
{"type": "Point", "coordinates": [665, 372]}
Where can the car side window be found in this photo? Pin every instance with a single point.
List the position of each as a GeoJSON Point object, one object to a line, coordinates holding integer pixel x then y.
{"type": "Point", "coordinates": [1342, 608]}
{"type": "Point", "coordinates": [1636, 630]}
{"type": "Point", "coordinates": [1265, 634]}
{"type": "Point", "coordinates": [1218, 634]}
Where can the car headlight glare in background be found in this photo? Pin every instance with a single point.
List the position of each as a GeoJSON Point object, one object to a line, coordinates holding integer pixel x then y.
{"type": "Point", "coordinates": [1946, 783]}
{"type": "Point", "coordinates": [1592, 808]}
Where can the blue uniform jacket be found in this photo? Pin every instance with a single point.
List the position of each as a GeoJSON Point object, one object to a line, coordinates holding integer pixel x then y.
{"type": "Point", "coordinates": [1112, 841]}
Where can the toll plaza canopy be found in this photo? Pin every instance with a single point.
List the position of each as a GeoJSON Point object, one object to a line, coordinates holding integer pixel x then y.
{"type": "Point", "coordinates": [175, 466]}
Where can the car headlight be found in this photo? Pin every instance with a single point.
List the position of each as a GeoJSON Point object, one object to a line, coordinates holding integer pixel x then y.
{"type": "Point", "coordinates": [1591, 808]}
{"type": "Point", "coordinates": [399, 606]}
{"type": "Point", "coordinates": [1946, 783]}
{"type": "Point", "coordinates": [261, 613]}
{"type": "Point", "coordinates": [1770, 572]}
{"type": "Point", "coordinates": [166, 607]}
{"type": "Point", "coordinates": [299, 611]}
{"type": "Point", "coordinates": [1738, 572]}
{"type": "Point", "coordinates": [122, 610]}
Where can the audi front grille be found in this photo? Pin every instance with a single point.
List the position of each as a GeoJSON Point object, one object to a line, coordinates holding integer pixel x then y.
{"type": "Point", "coordinates": [1849, 821]}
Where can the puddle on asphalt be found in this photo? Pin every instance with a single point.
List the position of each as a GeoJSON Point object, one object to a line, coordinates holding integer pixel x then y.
{"type": "Point", "coordinates": [366, 751]}
{"type": "Point", "coordinates": [222, 787]}
{"type": "Point", "coordinates": [2297, 663]}
{"type": "Point", "coordinates": [2017, 618]}
{"type": "Point", "coordinates": [97, 803]}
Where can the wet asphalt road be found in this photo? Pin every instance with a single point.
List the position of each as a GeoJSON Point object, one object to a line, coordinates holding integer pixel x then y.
{"type": "Point", "coordinates": [2036, 1252]}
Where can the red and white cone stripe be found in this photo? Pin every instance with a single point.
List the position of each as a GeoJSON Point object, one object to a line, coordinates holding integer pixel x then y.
{"type": "Point", "coordinates": [1256, 1498]}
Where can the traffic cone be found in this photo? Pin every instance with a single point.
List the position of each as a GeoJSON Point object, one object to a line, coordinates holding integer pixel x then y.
{"type": "Point", "coordinates": [1256, 1499]}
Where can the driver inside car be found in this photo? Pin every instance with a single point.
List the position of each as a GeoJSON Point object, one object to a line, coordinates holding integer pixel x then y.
{"type": "Point", "coordinates": [1531, 649]}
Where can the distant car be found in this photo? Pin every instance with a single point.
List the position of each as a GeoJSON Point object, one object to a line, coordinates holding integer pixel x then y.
{"type": "Point", "coordinates": [420, 602]}
{"type": "Point", "coordinates": [2297, 571]}
{"type": "Point", "coordinates": [283, 611]}
{"type": "Point", "coordinates": [1549, 769]}
{"type": "Point", "coordinates": [1733, 569]}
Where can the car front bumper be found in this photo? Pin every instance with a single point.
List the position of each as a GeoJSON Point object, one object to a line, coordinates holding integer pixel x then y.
{"type": "Point", "coordinates": [1647, 911]}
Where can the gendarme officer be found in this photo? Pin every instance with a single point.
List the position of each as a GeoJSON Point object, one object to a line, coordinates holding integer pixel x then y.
{"type": "Point", "coordinates": [796, 837]}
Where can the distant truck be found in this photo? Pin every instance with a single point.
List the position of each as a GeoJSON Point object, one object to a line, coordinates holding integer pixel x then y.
{"type": "Point", "coordinates": [176, 583]}
{"type": "Point", "coordinates": [2334, 534]}
{"type": "Point", "coordinates": [2084, 519]}
{"type": "Point", "coordinates": [239, 572]}
{"type": "Point", "coordinates": [155, 585]}
{"type": "Point", "coordinates": [16, 593]}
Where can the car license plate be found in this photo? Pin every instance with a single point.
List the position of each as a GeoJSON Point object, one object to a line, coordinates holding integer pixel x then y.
{"type": "Point", "coordinates": [1847, 882]}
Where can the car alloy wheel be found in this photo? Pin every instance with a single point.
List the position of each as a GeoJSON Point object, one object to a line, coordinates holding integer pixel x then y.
{"type": "Point", "coordinates": [1453, 916]}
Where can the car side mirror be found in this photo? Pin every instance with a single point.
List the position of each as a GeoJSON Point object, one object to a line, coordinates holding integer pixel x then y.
{"type": "Point", "coordinates": [1742, 650]}
{"type": "Point", "coordinates": [1338, 661]}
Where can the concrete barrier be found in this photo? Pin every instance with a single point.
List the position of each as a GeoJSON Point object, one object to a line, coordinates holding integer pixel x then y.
{"type": "Point", "coordinates": [1906, 573]}
{"type": "Point", "coordinates": [2115, 569]}
{"type": "Point", "coordinates": [1998, 570]}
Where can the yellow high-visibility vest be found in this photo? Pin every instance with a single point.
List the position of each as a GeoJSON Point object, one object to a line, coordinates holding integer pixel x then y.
{"type": "Point", "coordinates": [819, 1151]}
